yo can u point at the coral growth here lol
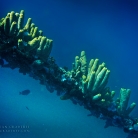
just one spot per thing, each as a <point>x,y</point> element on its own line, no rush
<point>25,47</point>
<point>122,103</point>
<point>92,79</point>
<point>28,37</point>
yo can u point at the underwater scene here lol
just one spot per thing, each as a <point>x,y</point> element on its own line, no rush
<point>69,69</point>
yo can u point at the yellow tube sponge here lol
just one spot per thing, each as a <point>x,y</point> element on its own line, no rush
<point>124,98</point>
<point>35,32</point>
<point>95,65</point>
<point>83,62</point>
<point>123,102</point>
<point>17,17</point>
<point>32,28</point>
<point>28,24</point>
<point>28,36</point>
<point>90,65</point>
<point>96,75</point>
<point>84,84</point>
<point>130,108</point>
<point>96,97</point>
<point>91,80</point>
<point>6,25</point>
<point>99,79</point>
<point>44,49</point>
<point>40,32</point>
<point>41,46</point>
<point>20,34</point>
<point>104,80</point>
<point>13,28</point>
<point>12,17</point>
<point>100,68</point>
<point>77,63</point>
<point>112,94</point>
<point>33,44</point>
<point>20,44</point>
<point>20,21</point>
<point>10,24</point>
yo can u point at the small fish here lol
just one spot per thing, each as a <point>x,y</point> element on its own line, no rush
<point>25,92</point>
<point>27,108</point>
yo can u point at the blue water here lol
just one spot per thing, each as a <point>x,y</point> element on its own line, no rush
<point>107,30</point>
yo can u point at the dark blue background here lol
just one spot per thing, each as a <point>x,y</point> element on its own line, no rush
<point>107,30</point>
